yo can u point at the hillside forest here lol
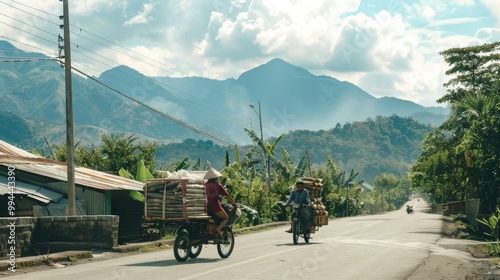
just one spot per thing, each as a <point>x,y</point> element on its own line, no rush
<point>365,167</point>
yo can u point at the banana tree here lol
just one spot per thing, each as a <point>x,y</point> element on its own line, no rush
<point>267,154</point>
<point>142,175</point>
<point>346,183</point>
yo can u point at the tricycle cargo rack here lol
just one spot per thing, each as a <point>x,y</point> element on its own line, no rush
<point>182,202</point>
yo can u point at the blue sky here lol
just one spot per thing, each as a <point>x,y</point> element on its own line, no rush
<point>388,48</point>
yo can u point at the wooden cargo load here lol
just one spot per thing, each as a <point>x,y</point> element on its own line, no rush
<point>175,199</point>
<point>315,187</point>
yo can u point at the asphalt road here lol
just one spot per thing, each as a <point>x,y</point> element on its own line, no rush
<point>385,246</point>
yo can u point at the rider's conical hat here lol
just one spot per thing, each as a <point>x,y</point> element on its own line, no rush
<point>212,173</point>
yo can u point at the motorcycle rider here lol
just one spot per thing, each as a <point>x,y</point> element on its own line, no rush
<point>213,189</point>
<point>301,196</point>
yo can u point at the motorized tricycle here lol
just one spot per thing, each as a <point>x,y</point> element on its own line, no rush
<point>193,234</point>
<point>182,203</point>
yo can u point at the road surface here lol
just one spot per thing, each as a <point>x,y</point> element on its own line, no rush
<point>385,246</point>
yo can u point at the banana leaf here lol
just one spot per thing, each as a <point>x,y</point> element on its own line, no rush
<point>143,173</point>
<point>124,173</point>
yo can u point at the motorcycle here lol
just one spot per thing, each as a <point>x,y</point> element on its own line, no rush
<point>300,227</point>
<point>409,209</point>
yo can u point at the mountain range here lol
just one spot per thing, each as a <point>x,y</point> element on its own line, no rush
<point>284,98</point>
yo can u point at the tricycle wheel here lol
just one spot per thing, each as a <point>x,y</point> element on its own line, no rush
<point>194,251</point>
<point>296,231</point>
<point>181,246</point>
<point>226,248</point>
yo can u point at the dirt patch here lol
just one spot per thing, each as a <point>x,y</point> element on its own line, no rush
<point>480,266</point>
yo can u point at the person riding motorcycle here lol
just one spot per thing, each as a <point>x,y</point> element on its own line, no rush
<point>301,196</point>
<point>213,189</point>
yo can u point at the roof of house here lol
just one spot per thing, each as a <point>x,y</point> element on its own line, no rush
<point>36,192</point>
<point>27,162</point>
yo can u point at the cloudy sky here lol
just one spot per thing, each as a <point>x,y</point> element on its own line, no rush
<point>388,48</point>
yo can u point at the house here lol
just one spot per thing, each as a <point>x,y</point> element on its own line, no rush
<point>40,189</point>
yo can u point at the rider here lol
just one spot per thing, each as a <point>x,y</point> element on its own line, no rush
<point>213,189</point>
<point>301,196</point>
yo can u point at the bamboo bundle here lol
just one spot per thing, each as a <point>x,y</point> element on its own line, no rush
<point>175,199</point>
<point>314,186</point>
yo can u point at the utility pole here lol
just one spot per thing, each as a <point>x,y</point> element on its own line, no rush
<point>267,158</point>
<point>69,114</point>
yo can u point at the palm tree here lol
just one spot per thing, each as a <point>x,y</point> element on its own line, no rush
<point>347,183</point>
<point>267,154</point>
<point>480,143</point>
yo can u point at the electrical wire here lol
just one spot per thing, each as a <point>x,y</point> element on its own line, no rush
<point>202,103</point>
<point>202,106</point>
<point>93,59</point>
<point>197,130</point>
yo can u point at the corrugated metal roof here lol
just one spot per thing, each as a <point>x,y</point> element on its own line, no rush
<point>12,156</point>
<point>7,149</point>
<point>41,194</point>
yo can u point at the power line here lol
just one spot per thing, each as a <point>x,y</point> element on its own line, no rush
<point>201,103</point>
<point>24,59</point>
<point>223,111</point>
<point>206,134</point>
<point>30,7</point>
<point>173,98</point>
<point>17,28</point>
<point>35,47</point>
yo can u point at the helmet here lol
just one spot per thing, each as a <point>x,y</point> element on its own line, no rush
<point>212,173</point>
<point>299,181</point>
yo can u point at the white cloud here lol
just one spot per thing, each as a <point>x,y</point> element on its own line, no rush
<point>453,21</point>
<point>494,9</point>
<point>486,35</point>
<point>427,13</point>
<point>371,44</point>
<point>143,17</point>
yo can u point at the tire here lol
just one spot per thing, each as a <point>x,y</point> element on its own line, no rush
<point>226,248</point>
<point>194,251</point>
<point>182,247</point>
<point>296,231</point>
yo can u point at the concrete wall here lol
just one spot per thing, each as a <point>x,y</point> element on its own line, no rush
<point>42,235</point>
<point>16,236</point>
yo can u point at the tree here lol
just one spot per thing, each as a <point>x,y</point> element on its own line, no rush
<point>348,184</point>
<point>480,144</point>
<point>119,152</point>
<point>474,69</point>
<point>387,183</point>
<point>460,159</point>
<point>268,154</point>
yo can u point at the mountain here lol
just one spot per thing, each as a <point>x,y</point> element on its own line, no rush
<point>291,98</point>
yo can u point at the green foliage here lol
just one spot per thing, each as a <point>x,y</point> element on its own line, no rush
<point>143,173</point>
<point>492,224</point>
<point>460,159</point>
<point>119,152</point>
<point>384,144</point>
<point>389,185</point>
<point>125,174</point>
<point>184,164</point>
